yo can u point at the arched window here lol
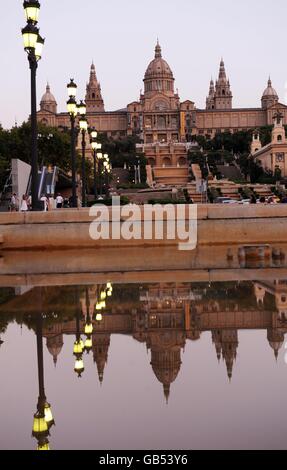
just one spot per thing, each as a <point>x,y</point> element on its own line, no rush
<point>279,138</point>
<point>93,96</point>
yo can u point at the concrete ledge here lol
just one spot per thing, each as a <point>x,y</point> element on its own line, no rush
<point>217,224</point>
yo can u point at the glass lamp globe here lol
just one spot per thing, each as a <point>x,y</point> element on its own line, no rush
<point>39,47</point>
<point>30,36</point>
<point>94,145</point>
<point>94,134</point>
<point>82,108</point>
<point>32,10</point>
<point>99,317</point>
<point>72,106</point>
<point>83,124</point>
<point>72,89</point>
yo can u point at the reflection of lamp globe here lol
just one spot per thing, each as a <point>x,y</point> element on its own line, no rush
<point>48,414</point>
<point>285,358</point>
<point>79,366</point>
<point>88,344</point>
<point>78,347</point>
<point>40,425</point>
<point>44,445</point>
<point>88,329</point>
<point>103,295</point>
<point>99,317</point>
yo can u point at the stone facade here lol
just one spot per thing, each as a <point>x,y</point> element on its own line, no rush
<point>160,120</point>
<point>274,155</point>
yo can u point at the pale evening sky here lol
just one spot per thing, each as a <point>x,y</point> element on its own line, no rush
<point>120,36</point>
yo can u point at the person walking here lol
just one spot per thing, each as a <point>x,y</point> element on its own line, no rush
<point>59,201</point>
<point>24,204</point>
<point>45,202</point>
<point>14,203</point>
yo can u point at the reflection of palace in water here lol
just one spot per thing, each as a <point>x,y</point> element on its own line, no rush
<point>169,315</point>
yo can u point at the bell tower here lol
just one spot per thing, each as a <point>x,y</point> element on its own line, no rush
<point>94,100</point>
<point>223,95</point>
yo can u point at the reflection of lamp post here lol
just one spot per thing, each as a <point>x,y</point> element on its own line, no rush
<point>33,45</point>
<point>72,110</point>
<point>88,326</point>
<point>43,418</point>
<point>78,347</point>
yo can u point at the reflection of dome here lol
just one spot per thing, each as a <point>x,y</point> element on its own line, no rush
<point>158,68</point>
<point>276,340</point>
<point>54,346</point>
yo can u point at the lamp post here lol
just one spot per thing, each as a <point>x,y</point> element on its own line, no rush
<point>100,160</point>
<point>33,45</point>
<point>72,110</point>
<point>83,128</point>
<point>95,147</point>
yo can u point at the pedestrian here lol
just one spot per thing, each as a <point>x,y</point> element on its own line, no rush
<point>253,199</point>
<point>52,202</point>
<point>284,199</point>
<point>45,202</point>
<point>24,204</point>
<point>262,200</point>
<point>59,201</point>
<point>14,203</point>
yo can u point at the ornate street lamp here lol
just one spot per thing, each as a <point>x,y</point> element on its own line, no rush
<point>95,146</point>
<point>72,110</point>
<point>83,128</point>
<point>33,45</point>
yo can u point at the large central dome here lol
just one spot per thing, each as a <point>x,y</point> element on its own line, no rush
<point>159,77</point>
<point>158,68</point>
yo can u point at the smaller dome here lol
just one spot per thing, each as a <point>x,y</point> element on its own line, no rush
<point>48,97</point>
<point>270,91</point>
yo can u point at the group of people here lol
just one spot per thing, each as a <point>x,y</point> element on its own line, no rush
<point>48,203</point>
<point>268,200</point>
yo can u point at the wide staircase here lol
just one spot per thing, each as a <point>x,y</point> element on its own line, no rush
<point>171,176</point>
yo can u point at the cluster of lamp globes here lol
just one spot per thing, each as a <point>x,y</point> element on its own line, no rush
<point>74,109</point>
<point>79,345</point>
<point>33,42</point>
<point>43,421</point>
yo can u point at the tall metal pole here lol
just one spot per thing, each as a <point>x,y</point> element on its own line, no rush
<point>101,181</point>
<point>95,174</point>
<point>83,169</point>
<point>34,133</point>
<point>73,157</point>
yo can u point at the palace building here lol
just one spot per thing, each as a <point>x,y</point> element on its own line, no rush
<point>162,122</point>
